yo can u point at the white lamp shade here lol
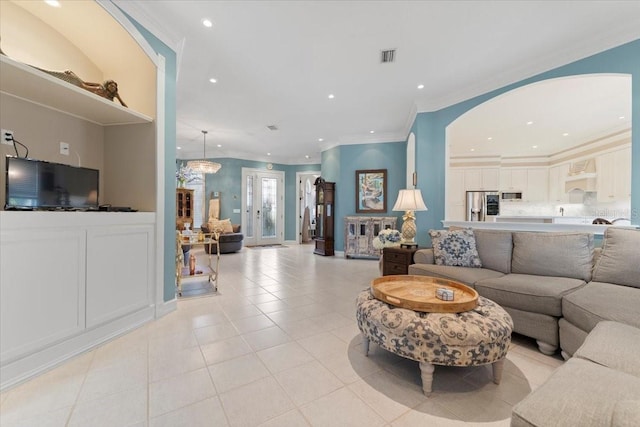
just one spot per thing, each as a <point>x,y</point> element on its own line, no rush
<point>410,200</point>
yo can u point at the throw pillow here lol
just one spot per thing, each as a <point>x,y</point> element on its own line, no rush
<point>456,248</point>
<point>222,225</point>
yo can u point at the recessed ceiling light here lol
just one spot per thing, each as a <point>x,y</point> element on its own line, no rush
<point>212,80</point>
<point>529,122</point>
<point>306,156</point>
<point>53,3</point>
<point>331,96</point>
<point>372,131</point>
<point>207,23</point>
<point>320,139</point>
<point>534,146</point>
<point>621,117</point>
<point>490,138</point>
<point>420,86</point>
<point>473,149</point>
<point>565,134</point>
<point>219,145</point>
<point>268,154</point>
<point>178,148</point>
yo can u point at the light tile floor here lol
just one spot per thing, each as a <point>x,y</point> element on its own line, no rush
<point>277,346</point>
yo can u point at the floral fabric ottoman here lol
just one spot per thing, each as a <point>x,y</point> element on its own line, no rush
<point>477,337</point>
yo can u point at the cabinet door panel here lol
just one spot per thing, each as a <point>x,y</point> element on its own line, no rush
<point>119,274</point>
<point>41,302</point>
<point>490,179</point>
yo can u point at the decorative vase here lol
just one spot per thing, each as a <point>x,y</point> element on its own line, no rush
<point>181,183</point>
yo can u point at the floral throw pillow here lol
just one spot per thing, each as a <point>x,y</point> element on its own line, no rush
<point>455,248</point>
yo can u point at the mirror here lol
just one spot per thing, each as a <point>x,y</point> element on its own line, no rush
<point>548,125</point>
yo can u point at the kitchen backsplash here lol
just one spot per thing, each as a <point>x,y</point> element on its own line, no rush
<point>588,207</point>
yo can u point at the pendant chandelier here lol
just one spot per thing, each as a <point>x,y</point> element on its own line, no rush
<point>204,165</point>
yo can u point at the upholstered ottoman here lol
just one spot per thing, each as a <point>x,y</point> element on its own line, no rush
<point>477,337</point>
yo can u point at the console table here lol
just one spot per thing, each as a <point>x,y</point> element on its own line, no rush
<point>209,271</point>
<point>359,232</point>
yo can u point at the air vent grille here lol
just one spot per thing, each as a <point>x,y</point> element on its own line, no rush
<point>388,55</point>
<point>272,127</point>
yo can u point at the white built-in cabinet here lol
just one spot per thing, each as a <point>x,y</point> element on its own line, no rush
<point>614,175</point>
<point>481,179</point>
<point>461,180</point>
<point>72,280</point>
<point>513,179</point>
<point>532,182</point>
<point>557,190</point>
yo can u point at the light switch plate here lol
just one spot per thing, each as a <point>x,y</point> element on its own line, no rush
<point>236,211</point>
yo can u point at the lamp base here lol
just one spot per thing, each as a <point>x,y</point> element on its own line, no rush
<point>409,230</point>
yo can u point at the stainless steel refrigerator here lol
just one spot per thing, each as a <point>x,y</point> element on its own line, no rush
<point>482,205</point>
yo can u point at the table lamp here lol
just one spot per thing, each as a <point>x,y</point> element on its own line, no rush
<point>409,200</point>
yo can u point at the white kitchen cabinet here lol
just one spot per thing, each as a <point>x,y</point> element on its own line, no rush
<point>513,179</point>
<point>490,179</point>
<point>537,185</point>
<point>482,179</point>
<point>461,180</point>
<point>614,175</point>
<point>455,195</point>
<point>533,182</point>
<point>557,176</point>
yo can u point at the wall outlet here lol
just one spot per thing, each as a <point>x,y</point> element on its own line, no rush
<point>64,148</point>
<point>6,137</point>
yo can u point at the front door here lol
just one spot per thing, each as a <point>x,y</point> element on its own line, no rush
<point>263,207</point>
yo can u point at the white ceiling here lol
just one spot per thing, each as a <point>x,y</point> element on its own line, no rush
<point>544,118</point>
<point>276,62</point>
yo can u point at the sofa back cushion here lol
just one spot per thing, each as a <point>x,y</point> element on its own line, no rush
<point>619,261</point>
<point>495,248</point>
<point>553,254</point>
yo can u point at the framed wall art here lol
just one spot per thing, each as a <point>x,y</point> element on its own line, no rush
<point>371,191</point>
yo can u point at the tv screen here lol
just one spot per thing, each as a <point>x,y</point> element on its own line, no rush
<point>36,184</point>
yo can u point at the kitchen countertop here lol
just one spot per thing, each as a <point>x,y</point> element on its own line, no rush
<point>546,219</point>
<point>596,229</point>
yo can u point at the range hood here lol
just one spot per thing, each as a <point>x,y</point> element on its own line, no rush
<point>582,177</point>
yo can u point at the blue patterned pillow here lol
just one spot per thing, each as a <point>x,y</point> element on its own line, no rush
<point>455,248</point>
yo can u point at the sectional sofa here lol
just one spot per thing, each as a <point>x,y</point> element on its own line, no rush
<point>555,286</point>
<point>563,292</point>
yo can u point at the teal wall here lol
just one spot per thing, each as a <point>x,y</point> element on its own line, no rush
<point>228,181</point>
<point>429,129</point>
<point>339,165</point>
<point>169,270</point>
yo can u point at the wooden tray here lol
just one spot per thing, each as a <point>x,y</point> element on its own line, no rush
<point>418,293</point>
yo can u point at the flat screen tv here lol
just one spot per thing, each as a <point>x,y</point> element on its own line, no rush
<point>36,184</point>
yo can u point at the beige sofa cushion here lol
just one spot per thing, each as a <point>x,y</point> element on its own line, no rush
<point>579,393</point>
<point>609,335</point>
<point>597,301</point>
<point>553,254</point>
<point>495,248</point>
<point>466,275</point>
<point>537,294</point>
<point>619,261</point>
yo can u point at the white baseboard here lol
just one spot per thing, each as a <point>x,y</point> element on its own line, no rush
<point>166,308</point>
<point>27,367</point>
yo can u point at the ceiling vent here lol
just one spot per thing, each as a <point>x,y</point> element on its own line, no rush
<point>272,127</point>
<point>388,55</point>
